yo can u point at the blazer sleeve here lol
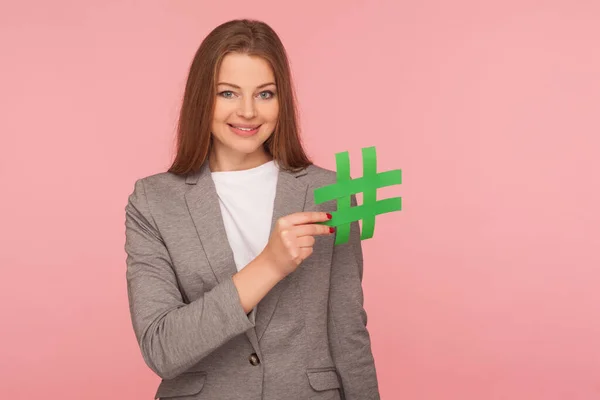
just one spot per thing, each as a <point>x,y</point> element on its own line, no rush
<point>349,339</point>
<point>172,335</point>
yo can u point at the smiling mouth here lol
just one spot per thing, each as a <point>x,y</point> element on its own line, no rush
<point>245,129</point>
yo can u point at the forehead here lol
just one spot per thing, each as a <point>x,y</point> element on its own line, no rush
<point>245,70</point>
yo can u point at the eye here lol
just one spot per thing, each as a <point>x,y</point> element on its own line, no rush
<point>267,94</point>
<point>228,94</point>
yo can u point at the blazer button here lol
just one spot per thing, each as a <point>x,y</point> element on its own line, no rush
<point>254,359</point>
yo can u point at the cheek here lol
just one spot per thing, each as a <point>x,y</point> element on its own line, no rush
<point>271,112</point>
<point>221,112</point>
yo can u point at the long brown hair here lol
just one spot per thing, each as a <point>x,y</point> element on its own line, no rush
<point>254,38</point>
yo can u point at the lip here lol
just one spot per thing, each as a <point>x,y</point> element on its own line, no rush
<point>244,133</point>
<point>245,125</point>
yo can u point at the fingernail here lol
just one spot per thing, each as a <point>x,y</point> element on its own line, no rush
<point>331,229</point>
<point>329,216</point>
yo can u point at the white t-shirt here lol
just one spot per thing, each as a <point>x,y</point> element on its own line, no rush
<point>246,199</point>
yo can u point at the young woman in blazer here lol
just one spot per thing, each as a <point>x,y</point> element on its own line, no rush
<point>235,289</point>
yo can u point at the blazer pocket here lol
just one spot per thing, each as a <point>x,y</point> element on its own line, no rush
<point>323,379</point>
<point>186,384</point>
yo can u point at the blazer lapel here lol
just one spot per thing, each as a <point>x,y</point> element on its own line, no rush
<point>203,204</point>
<point>290,197</point>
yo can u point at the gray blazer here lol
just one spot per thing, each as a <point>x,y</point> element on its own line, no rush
<point>307,339</point>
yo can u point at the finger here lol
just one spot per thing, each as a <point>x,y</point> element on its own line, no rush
<point>305,252</point>
<point>305,241</point>
<point>312,230</point>
<point>288,239</point>
<point>307,217</point>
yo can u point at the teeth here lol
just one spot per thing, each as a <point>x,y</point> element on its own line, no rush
<point>244,129</point>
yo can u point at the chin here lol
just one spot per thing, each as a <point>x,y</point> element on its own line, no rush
<point>247,148</point>
<point>245,145</point>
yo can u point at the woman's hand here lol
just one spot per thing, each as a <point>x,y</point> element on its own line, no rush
<point>292,240</point>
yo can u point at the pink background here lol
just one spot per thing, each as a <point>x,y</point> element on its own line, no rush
<point>485,286</point>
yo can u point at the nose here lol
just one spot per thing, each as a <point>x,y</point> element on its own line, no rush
<point>247,108</point>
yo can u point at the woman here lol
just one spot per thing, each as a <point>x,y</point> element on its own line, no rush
<point>236,289</point>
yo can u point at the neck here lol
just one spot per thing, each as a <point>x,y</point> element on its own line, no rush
<point>220,161</point>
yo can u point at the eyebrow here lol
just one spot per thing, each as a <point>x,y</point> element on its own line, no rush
<point>237,87</point>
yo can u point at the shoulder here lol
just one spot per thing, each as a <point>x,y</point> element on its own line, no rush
<point>163,179</point>
<point>159,185</point>
<point>317,176</point>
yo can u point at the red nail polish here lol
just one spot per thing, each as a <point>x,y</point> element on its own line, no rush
<point>331,229</point>
<point>329,216</point>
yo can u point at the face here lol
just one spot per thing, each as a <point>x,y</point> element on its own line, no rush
<point>246,110</point>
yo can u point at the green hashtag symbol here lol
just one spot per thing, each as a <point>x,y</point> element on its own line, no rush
<point>368,185</point>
